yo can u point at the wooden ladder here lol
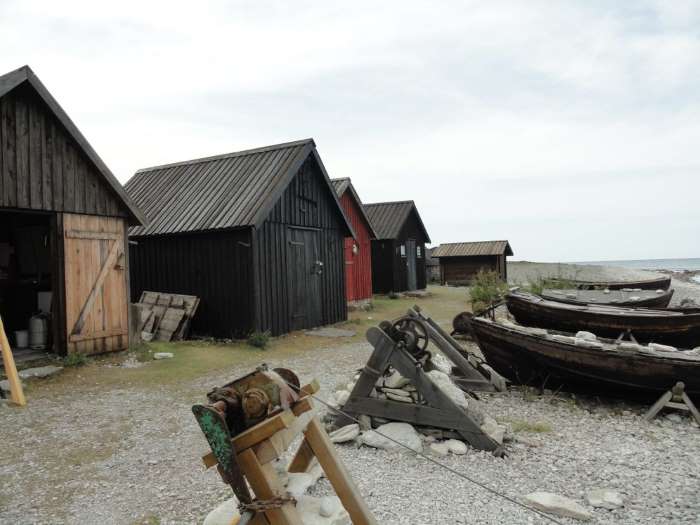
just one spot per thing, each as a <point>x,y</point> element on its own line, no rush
<point>16,392</point>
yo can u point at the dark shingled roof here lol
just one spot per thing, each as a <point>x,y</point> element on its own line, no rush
<point>221,192</point>
<point>388,218</point>
<point>468,249</point>
<point>344,184</point>
<point>14,79</point>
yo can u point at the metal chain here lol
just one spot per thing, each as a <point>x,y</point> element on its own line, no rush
<point>261,505</point>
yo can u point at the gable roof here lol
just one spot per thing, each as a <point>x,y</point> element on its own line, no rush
<point>344,184</point>
<point>18,77</point>
<point>388,218</point>
<point>221,192</point>
<point>468,249</point>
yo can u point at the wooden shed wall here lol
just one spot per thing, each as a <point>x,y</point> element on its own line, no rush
<point>358,267</point>
<point>306,203</point>
<point>217,267</point>
<point>461,270</point>
<point>41,166</point>
<point>411,230</point>
<point>383,261</point>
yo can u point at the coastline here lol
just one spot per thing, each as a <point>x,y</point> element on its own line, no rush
<point>520,272</point>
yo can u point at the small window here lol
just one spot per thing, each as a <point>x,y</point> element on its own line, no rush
<point>419,253</point>
<point>402,249</point>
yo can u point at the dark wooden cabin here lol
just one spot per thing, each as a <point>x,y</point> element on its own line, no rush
<point>358,251</point>
<point>461,261</point>
<point>257,235</point>
<point>398,252</point>
<point>63,221</point>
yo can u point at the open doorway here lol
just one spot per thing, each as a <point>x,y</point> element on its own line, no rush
<point>26,282</point>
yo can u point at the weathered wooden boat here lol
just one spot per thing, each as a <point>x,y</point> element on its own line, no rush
<point>602,367</point>
<point>636,298</point>
<point>677,327</point>
<point>657,283</point>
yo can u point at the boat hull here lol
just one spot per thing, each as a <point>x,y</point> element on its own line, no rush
<point>531,359</point>
<point>648,299</point>
<point>658,283</point>
<point>681,330</point>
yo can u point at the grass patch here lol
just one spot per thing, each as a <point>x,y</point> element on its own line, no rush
<point>75,359</point>
<point>526,426</point>
<point>259,339</point>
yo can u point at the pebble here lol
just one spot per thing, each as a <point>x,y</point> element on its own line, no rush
<point>163,355</point>
<point>346,433</point>
<point>456,447</point>
<point>439,449</point>
<point>557,504</point>
<point>605,499</point>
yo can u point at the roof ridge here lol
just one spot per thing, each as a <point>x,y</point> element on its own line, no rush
<point>232,154</point>
<point>389,202</point>
<point>472,242</point>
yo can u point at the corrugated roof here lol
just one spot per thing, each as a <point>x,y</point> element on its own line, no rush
<point>388,218</point>
<point>221,192</point>
<point>468,249</point>
<point>14,79</point>
<point>341,186</point>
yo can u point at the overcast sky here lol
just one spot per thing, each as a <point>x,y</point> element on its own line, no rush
<point>570,128</point>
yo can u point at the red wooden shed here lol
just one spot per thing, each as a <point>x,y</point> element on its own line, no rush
<point>358,252</point>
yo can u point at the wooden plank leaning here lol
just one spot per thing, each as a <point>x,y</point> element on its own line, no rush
<point>16,392</point>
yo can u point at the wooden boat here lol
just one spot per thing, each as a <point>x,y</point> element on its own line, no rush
<point>636,298</point>
<point>533,356</point>
<point>671,326</point>
<point>657,283</point>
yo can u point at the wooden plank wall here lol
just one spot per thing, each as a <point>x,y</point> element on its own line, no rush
<point>460,270</point>
<point>88,241</point>
<point>358,267</point>
<point>41,167</point>
<point>217,267</point>
<point>307,202</point>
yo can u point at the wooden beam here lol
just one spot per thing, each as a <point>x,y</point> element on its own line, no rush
<point>302,459</point>
<point>16,392</point>
<point>98,236</point>
<point>337,474</point>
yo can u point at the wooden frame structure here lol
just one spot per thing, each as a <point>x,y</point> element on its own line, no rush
<point>675,398</point>
<point>257,447</point>
<point>438,411</point>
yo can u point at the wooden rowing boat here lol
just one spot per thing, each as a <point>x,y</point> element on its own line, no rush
<point>534,356</point>
<point>671,326</point>
<point>636,298</point>
<point>657,283</point>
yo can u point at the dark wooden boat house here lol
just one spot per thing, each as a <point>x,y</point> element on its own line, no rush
<point>258,235</point>
<point>358,251</point>
<point>63,221</point>
<point>461,261</point>
<point>398,252</point>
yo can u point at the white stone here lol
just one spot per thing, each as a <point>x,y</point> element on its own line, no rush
<point>346,433</point>
<point>328,507</point>
<point>41,371</point>
<point>299,482</point>
<point>439,449</point>
<point>635,298</point>
<point>401,432</point>
<point>456,446</point>
<point>350,386</point>
<point>163,355</point>
<point>5,385</point>
<point>605,499</point>
<point>224,514</point>
<point>444,383</point>
<point>556,504</point>
<point>562,338</point>
<point>587,343</point>
<point>492,429</point>
<point>397,392</point>
<point>589,336</point>
<point>628,345</point>
<point>441,363</point>
<point>402,399</point>
<point>341,397</point>
<point>395,380</point>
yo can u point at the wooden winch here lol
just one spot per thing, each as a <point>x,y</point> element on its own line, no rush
<point>251,422</point>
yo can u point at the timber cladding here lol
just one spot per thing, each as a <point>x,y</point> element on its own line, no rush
<point>96,300</point>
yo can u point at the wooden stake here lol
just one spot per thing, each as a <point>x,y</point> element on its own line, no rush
<point>16,392</point>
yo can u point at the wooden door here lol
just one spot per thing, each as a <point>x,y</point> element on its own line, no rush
<point>411,264</point>
<point>304,272</point>
<point>350,293</point>
<point>95,284</point>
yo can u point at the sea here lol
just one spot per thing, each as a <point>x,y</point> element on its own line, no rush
<point>674,265</point>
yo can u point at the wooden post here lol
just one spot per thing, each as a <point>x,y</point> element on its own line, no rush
<point>336,473</point>
<point>16,392</point>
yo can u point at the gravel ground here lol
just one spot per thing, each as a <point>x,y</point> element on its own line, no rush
<point>131,455</point>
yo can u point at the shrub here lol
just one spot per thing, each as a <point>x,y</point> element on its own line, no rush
<point>75,359</point>
<point>487,289</point>
<point>259,339</point>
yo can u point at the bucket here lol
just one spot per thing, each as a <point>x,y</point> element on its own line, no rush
<point>38,330</point>
<point>22,338</point>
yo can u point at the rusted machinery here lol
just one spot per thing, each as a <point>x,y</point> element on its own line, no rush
<point>252,421</point>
